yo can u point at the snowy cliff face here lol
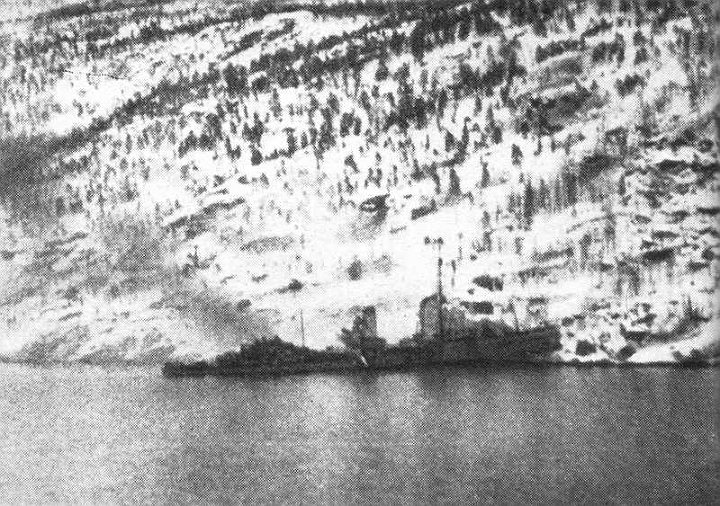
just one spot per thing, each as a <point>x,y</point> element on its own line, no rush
<point>178,178</point>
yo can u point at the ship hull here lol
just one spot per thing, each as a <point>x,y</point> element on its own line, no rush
<point>490,345</point>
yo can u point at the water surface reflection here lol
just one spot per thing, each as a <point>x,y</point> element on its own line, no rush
<point>507,434</point>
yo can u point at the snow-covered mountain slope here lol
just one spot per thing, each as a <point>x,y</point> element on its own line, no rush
<point>180,177</point>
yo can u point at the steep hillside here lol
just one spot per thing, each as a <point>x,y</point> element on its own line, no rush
<point>179,177</point>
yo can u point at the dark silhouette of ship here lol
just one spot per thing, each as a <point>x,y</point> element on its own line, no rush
<point>466,333</point>
<point>442,340</point>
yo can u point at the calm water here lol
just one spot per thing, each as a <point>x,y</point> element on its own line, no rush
<point>504,435</point>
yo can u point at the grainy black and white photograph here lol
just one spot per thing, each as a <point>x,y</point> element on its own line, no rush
<point>359,252</point>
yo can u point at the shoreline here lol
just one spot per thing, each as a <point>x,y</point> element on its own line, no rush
<point>211,370</point>
<point>230,373</point>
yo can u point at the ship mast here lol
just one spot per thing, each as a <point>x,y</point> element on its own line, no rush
<point>439,243</point>
<point>441,326</point>
<point>302,328</point>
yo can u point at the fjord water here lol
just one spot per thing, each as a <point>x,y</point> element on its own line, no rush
<point>502,435</point>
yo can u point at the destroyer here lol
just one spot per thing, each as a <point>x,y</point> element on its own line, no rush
<point>444,338</point>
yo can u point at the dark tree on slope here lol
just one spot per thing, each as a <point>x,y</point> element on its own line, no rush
<point>396,42</point>
<point>543,196</point>
<point>490,118</point>
<point>485,180</point>
<point>442,102</point>
<point>516,155</point>
<point>464,27</point>
<point>454,183</point>
<point>558,195</point>
<point>256,156</point>
<point>571,188</point>
<point>420,114</point>
<point>528,204</point>
<point>382,72</point>
<point>539,27</point>
<point>449,141</point>
<point>417,40</point>
<point>291,141</point>
<point>604,6</point>
<point>465,139</point>
<point>569,20</point>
